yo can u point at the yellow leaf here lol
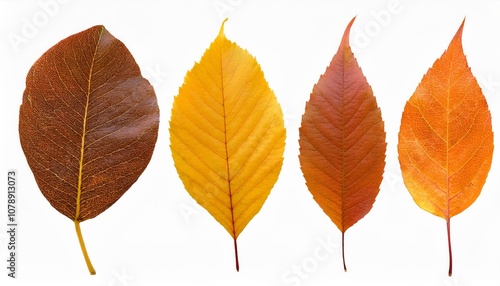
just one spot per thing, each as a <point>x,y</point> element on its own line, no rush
<point>227,135</point>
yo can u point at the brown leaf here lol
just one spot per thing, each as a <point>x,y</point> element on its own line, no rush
<point>88,123</point>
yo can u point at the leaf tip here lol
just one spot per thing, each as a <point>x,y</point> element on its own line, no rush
<point>462,25</point>
<point>352,21</point>
<point>221,31</point>
<point>458,35</point>
<point>99,27</point>
<point>347,32</point>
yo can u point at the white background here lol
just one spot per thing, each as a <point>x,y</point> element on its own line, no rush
<point>156,235</point>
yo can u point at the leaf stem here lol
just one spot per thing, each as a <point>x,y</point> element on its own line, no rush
<point>236,255</point>
<point>343,256</point>
<point>449,246</point>
<point>84,249</point>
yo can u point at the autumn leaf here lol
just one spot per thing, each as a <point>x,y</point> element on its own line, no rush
<point>342,141</point>
<point>446,139</point>
<point>227,135</point>
<point>88,124</point>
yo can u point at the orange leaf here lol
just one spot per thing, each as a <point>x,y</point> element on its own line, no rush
<point>446,139</point>
<point>88,124</point>
<point>342,141</point>
<point>227,135</point>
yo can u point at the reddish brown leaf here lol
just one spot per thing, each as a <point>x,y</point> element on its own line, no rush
<point>88,124</point>
<point>342,141</point>
<point>446,139</point>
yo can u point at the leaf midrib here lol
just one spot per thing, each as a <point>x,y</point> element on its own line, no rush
<point>231,207</point>
<point>84,132</point>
